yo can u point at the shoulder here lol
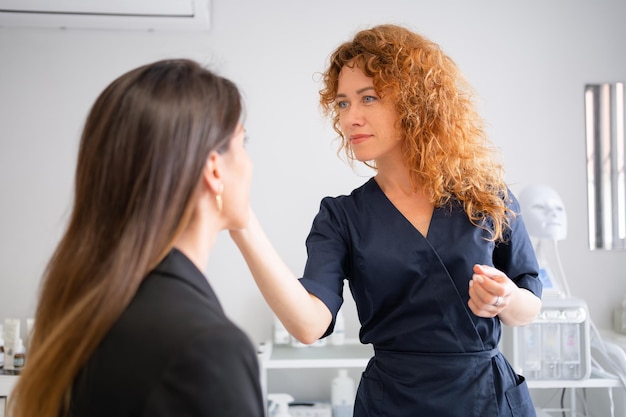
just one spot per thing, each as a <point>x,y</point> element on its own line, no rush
<point>216,372</point>
<point>226,341</point>
<point>357,197</point>
<point>166,311</point>
<point>512,202</point>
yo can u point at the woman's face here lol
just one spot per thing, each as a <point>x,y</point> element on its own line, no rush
<point>368,122</point>
<point>237,180</point>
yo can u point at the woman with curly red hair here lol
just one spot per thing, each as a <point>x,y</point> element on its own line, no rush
<point>432,246</point>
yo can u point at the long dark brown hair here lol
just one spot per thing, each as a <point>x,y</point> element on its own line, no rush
<point>142,152</point>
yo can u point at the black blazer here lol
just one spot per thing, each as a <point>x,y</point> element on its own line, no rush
<point>173,352</point>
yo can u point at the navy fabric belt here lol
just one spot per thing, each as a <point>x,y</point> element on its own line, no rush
<point>381,353</point>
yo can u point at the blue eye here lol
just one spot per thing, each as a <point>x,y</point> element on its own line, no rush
<point>342,104</point>
<point>369,99</point>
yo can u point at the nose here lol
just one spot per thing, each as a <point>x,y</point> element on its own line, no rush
<point>352,116</point>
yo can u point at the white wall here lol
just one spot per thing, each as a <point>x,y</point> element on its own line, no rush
<point>529,61</point>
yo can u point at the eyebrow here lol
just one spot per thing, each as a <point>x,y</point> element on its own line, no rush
<point>359,91</point>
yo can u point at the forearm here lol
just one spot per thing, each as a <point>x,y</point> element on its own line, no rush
<point>303,315</point>
<point>522,309</point>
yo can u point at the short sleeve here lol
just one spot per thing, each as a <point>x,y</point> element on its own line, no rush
<point>516,256</point>
<point>327,257</point>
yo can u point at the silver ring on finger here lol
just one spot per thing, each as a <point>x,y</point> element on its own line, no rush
<point>498,301</point>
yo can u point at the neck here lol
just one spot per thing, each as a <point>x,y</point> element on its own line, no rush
<point>395,180</point>
<point>198,239</point>
<point>391,171</point>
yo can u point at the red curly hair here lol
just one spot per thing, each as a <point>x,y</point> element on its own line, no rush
<point>444,143</point>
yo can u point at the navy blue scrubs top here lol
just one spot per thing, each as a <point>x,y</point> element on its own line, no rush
<point>411,294</point>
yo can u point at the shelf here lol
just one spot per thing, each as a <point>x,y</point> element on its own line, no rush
<point>580,383</point>
<point>573,385</point>
<point>350,355</point>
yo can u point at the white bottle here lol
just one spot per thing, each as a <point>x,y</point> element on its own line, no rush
<point>11,336</point>
<point>342,395</point>
<point>20,354</point>
<point>338,337</point>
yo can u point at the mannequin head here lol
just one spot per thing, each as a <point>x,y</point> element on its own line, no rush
<point>543,212</point>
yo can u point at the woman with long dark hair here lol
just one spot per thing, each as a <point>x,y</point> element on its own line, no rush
<point>126,323</point>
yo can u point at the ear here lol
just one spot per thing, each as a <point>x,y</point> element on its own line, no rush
<point>213,173</point>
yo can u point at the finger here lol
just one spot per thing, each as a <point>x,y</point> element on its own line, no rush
<point>479,293</point>
<point>482,310</point>
<point>498,301</point>
<point>486,297</point>
<point>493,286</point>
<point>485,287</point>
<point>490,272</point>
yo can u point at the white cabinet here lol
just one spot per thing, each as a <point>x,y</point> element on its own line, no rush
<point>350,355</point>
<point>573,386</point>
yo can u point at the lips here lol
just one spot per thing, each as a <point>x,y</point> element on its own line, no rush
<point>356,139</point>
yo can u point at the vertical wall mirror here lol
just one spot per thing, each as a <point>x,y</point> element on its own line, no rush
<point>606,186</point>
